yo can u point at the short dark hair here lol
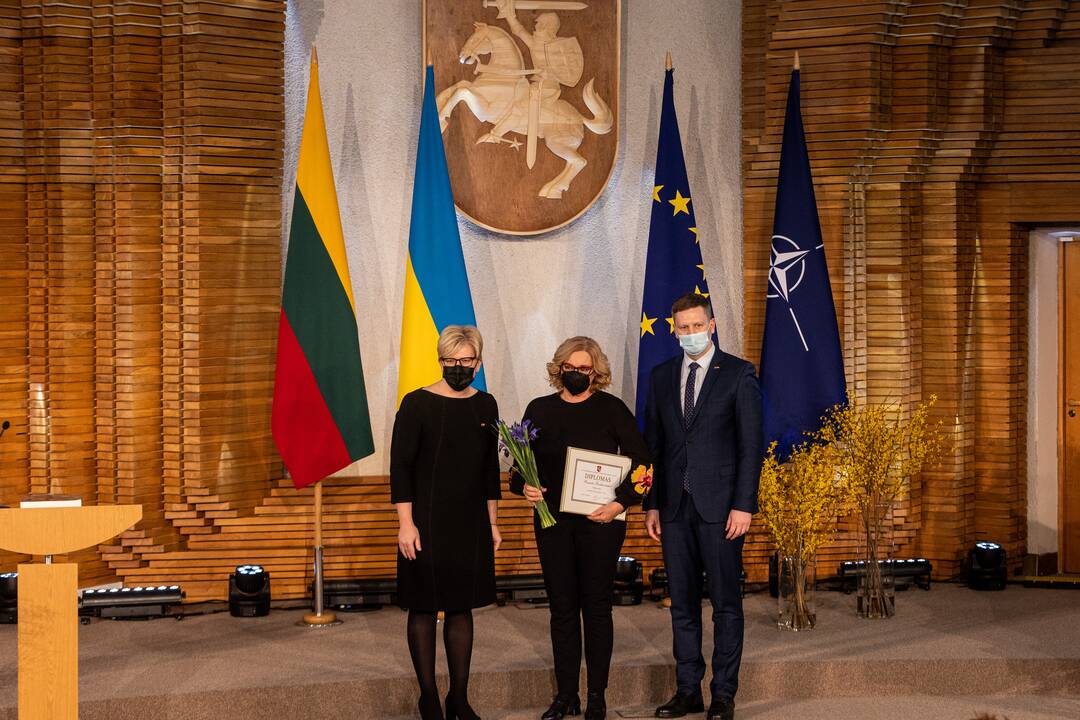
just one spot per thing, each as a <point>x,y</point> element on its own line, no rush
<point>689,301</point>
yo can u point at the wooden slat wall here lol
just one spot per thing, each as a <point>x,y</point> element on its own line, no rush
<point>140,201</point>
<point>140,172</point>
<point>939,133</point>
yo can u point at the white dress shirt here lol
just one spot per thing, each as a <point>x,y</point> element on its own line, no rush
<point>703,367</point>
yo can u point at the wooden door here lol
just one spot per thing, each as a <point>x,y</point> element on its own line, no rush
<point>1070,406</point>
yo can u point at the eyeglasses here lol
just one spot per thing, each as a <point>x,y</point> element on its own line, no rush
<point>583,369</point>
<point>458,362</point>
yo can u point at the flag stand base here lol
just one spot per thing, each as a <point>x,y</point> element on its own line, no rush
<point>314,620</point>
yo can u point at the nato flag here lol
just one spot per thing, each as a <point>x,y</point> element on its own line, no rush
<point>673,264</point>
<point>802,369</point>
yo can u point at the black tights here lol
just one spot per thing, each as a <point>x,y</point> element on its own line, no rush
<point>458,638</point>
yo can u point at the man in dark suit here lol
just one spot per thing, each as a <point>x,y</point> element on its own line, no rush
<point>703,428</point>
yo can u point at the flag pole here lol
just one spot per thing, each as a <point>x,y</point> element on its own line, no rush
<point>667,61</point>
<point>796,63</point>
<point>319,618</point>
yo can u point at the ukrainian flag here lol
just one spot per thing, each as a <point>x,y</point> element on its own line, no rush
<point>436,284</point>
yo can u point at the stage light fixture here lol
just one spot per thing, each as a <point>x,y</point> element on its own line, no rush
<point>249,591</point>
<point>9,598</point>
<point>358,595</point>
<point>658,584</point>
<point>987,566</point>
<point>905,571</point>
<point>629,582</point>
<point>705,584</point>
<point>521,588</point>
<point>130,603</point>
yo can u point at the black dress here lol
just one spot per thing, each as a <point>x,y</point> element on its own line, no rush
<point>444,460</point>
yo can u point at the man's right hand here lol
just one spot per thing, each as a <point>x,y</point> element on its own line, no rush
<point>532,494</point>
<point>652,524</point>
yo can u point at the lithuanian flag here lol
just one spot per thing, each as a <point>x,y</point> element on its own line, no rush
<point>320,415</point>
<point>436,284</point>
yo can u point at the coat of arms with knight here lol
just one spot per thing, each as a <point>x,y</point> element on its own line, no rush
<point>527,98</point>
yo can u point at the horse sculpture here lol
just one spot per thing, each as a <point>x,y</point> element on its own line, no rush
<point>501,96</point>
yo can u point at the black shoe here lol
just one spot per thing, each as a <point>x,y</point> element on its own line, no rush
<point>721,709</point>
<point>563,707</point>
<point>429,708</point>
<point>454,711</point>
<point>597,707</point>
<point>680,706</point>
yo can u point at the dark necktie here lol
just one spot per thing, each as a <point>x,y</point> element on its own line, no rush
<point>688,414</point>
<point>688,396</point>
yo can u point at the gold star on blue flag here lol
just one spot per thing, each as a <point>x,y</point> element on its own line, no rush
<point>673,265</point>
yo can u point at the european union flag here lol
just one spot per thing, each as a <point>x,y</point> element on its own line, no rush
<point>673,265</point>
<point>802,369</point>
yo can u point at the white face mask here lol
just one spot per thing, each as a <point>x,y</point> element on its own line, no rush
<point>694,343</point>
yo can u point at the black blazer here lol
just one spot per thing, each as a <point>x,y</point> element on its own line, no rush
<point>723,448</point>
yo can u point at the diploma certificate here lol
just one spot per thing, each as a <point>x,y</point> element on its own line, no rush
<point>590,480</point>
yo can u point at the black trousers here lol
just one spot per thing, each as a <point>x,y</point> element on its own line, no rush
<point>578,557</point>
<point>690,546</point>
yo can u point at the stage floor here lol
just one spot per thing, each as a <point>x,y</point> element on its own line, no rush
<point>949,652</point>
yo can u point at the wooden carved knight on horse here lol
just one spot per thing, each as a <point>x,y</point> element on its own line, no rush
<point>527,101</point>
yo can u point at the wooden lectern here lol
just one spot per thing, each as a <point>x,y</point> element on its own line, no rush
<point>48,598</point>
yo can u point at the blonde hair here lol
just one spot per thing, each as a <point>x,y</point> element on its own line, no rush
<point>601,376</point>
<point>454,336</point>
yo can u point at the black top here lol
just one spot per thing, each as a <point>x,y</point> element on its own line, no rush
<point>444,460</point>
<point>602,423</point>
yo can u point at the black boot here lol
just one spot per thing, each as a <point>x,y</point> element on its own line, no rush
<point>429,707</point>
<point>462,711</point>
<point>597,707</point>
<point>563,707</point>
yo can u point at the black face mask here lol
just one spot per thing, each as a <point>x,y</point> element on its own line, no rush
<point>458,377</point>
<point>575,382</point>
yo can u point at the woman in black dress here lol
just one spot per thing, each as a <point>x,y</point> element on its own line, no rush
<point>579,553</point>
<point>444,482</point>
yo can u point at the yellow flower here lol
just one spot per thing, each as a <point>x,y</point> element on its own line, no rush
<point>799,499</point>
<point>642,479</point>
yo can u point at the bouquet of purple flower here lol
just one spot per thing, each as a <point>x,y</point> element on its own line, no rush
<point>516,438</point>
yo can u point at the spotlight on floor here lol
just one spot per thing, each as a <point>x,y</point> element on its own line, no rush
<point>774,575</point>
<point>904,572</point>
<point>658,584</point>
<point>987,566</point>
<point>249,591</point>
<point>130,603</point>
<point>9,598</point>
<point>629,582</point>
<point>358,595</point>
<point>521,588</point>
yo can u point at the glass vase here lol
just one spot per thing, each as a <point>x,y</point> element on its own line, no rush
<point>876,594</point>
<point>795,610</point>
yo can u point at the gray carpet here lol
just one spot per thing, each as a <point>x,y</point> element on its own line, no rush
<point>948,649</point>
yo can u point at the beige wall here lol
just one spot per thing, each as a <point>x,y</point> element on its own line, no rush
<point>529,293</point>
<point>1043,412</point>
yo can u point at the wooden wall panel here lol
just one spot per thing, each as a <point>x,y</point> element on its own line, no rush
<point>140,179</point>
<point>14,268</point>
<point>946,131</point>
<point>140,198</point>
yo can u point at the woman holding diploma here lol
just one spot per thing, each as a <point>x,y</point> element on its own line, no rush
<point>579,553</point>
<point>444,483</point>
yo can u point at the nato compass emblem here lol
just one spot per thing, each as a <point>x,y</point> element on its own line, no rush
<point>786,272</point>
